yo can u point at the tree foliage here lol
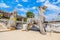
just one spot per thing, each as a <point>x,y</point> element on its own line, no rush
<point>29,14</point>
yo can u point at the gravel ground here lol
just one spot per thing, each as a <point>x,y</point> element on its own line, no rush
<point>30,35</point>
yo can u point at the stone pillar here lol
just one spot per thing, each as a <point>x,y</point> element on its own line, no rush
<point>22,22</point>
<point>29,23</point>
<point>12,21</point>
<point>41,18</point>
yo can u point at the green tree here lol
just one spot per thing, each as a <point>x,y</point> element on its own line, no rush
<point>29,14</point>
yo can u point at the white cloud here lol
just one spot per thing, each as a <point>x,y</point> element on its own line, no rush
<point>35,13</point>
<point>40,0</point>
<point>4,5</point>
<point>33,7</point>
<point>17,1</point>
<point>51,6</point>
<point>51,16</point>
<point>25,0</point>
<point>26,9</point>
<point>58,1</point>
<point>20,5</point>
<point>23,9</point>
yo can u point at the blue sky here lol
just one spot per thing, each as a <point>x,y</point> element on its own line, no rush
<point>22,6</point>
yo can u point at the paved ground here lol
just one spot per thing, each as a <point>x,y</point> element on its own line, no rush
<point>30,35</point>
